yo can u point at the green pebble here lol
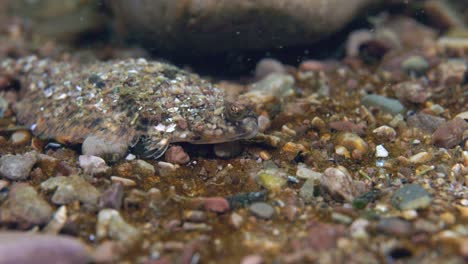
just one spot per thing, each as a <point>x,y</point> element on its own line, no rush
<point>270,181</point>
<point>385,104</point>
<point>411,196</point>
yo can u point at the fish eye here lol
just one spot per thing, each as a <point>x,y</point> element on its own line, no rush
<point>235,112</point>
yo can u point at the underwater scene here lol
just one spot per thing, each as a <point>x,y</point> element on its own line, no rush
<point>241,131</point>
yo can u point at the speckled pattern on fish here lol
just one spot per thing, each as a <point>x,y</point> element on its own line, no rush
<point>125,102</point>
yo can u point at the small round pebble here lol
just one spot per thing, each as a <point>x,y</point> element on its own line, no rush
<point>20,138</point>
<point>262,210</point>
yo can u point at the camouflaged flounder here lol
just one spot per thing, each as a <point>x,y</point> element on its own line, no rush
<point>124,102</point>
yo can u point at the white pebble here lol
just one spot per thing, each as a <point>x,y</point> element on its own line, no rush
<point>381,152</point>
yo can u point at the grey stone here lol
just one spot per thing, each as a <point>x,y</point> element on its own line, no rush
<point>450,134</point>
<point>340,185</point>
<point>25,207</point>
<point>111,225</point>
<point>383,103</point>
<point>262,210</point>
<point>394,226</point>
<point>411,196</point>
<point>17,167</point>
<point>425,122</point>
<point>307,190</point>
<point>194,26</point>
<point>112,198</point>
<point>93,165</point>
<point>70,189</point>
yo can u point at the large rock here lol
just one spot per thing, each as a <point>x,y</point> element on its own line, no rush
<point>19,247</point>
<point>208,26</point>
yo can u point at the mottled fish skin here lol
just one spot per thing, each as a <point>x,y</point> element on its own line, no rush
<point>121,101</point>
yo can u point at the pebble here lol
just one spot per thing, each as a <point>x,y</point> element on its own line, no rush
<point>264,123</point>
<point>123,181</point>
<point>108,252</point>
<point>236,220</point>
<point>358,228</point>
<point>448,218</point>
<point>58,221</point>
<point>450,134</point>
<point>452,72</point>
<point>288,131</point>
<point>352,142</point>
<point>96,146</point>
<point>381,152</point>
<point>425,122</point>
<point>411,196</point>
<point>227,150</point>
<point>415,65</point>
<point>453,44</point>
<point>17,167</point>
<point>421,157</point>
<point>322,237</point>
<point>268,66</point>
<point>194,216</point>
<point>339,184</point>
<point>412,92</point>
<point>292,147</point>
<point>348,126</point>
<point>3,106</point>
<point>463,115</point>
<point>385,132</point>
<point>143,168</point>
<point>305,173</point>
<point>262,210</point>
<point>93,165</point>
<point>307,191</point>
<point>27,247</point>
<point>111,225</point>
<point>20,138</point>
<point>341,218</point>
<point>25,207</point>
<point>383,103</point>
<point>202,227</point>
<point>70,189</point>
<point>394,226</point>
<point>112,197</point>
<point>264,155</point>
<point>176,155</point>
<point>213,204</point>
<point>252,259</point>
<point>271,179</point>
